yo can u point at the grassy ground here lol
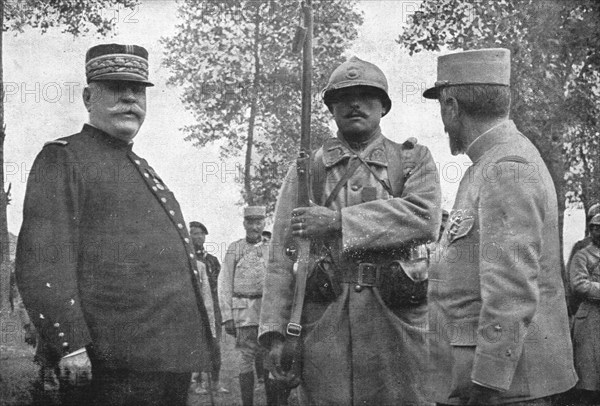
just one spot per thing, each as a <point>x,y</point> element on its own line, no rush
<point>17,370</point>
<point>18,373</point>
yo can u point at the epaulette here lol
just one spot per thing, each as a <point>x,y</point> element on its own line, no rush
<point>57,142</point>
<point>513,158</point>
<point>410,143</point>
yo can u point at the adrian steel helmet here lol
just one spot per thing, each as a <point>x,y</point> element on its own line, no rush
<point>356,72</point>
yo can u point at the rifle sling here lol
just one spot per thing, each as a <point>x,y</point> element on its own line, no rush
<point>352,167</point>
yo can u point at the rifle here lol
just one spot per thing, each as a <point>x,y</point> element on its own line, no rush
<point>291,356</point>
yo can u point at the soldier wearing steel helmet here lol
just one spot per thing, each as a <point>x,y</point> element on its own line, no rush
<point>376,204</point>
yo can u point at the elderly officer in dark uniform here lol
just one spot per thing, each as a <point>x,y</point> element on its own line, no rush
<point>104,260</point>
<point>498,317</point>
<point>377,203</point>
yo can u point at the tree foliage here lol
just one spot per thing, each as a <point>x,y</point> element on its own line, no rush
<point>74,16</point>
<point>241,80</point>
<point>554,76</point>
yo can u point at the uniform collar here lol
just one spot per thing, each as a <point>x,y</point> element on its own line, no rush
<point>489,139</point>
<point>256,244</point>
<point>106,138</point>
<point>335,150</point>
<point>593,249</point>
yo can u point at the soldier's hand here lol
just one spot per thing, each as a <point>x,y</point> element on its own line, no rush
<point>273,364</point>
<point>315,221</point>
<point>30,336</point>
<point>75,369</point>
<point>230,328</point>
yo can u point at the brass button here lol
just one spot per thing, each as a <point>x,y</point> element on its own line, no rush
<point>355,187</point>
<point>358,288</point>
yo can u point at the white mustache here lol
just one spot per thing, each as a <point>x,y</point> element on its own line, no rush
<point>133,109</point>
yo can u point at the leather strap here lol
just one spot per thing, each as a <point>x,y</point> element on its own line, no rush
<point>353,165</point>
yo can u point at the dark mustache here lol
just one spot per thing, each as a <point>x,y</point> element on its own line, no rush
<point>356,113</point>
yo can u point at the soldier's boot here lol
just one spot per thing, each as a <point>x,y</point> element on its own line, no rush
<point>247,388</point>
<point>260,369</point>
<point>276,392</point>
<point>270,393</point>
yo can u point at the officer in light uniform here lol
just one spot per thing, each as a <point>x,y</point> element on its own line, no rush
<point>240,288</point>
<point>498,318</point>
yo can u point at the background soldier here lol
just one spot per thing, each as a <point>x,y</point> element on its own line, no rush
<point>498,279</point>
<point>198,233</point>
<point>378,201</point>
<point>240,295</point>
<point>592,211</point>
<point>104,260</point>
<point>573,299</point>
<point>585,282</point>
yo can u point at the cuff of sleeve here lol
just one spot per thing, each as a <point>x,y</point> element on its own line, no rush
<point>266,338</point>
<point>594,292</point>
<point>492,372</point>
<point>72,354</point>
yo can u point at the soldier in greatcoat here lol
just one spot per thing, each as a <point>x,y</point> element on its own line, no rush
<point>377,203</point>
<point>211,266</point>
<point>104,262</point>
<point>498,318</point>
<point>585,283</point>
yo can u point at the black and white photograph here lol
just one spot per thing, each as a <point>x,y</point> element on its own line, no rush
<point>300,202</point>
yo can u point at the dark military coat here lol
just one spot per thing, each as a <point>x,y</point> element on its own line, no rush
<point>213,268</point>
<point>585,282</point>
<point>498,314</point>
<point>104,258</point>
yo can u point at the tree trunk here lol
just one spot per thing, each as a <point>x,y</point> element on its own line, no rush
<point>5,268</point>
<point>253,110</point>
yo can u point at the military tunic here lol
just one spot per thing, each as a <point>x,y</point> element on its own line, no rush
<point>243,307</point>
<point>585,282</point>
<point>357,350</point>
<point>104,258</point>
<point>498,315</point>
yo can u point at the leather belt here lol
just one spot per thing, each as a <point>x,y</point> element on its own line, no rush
<point>240,296</point>
<point>364,274</point>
